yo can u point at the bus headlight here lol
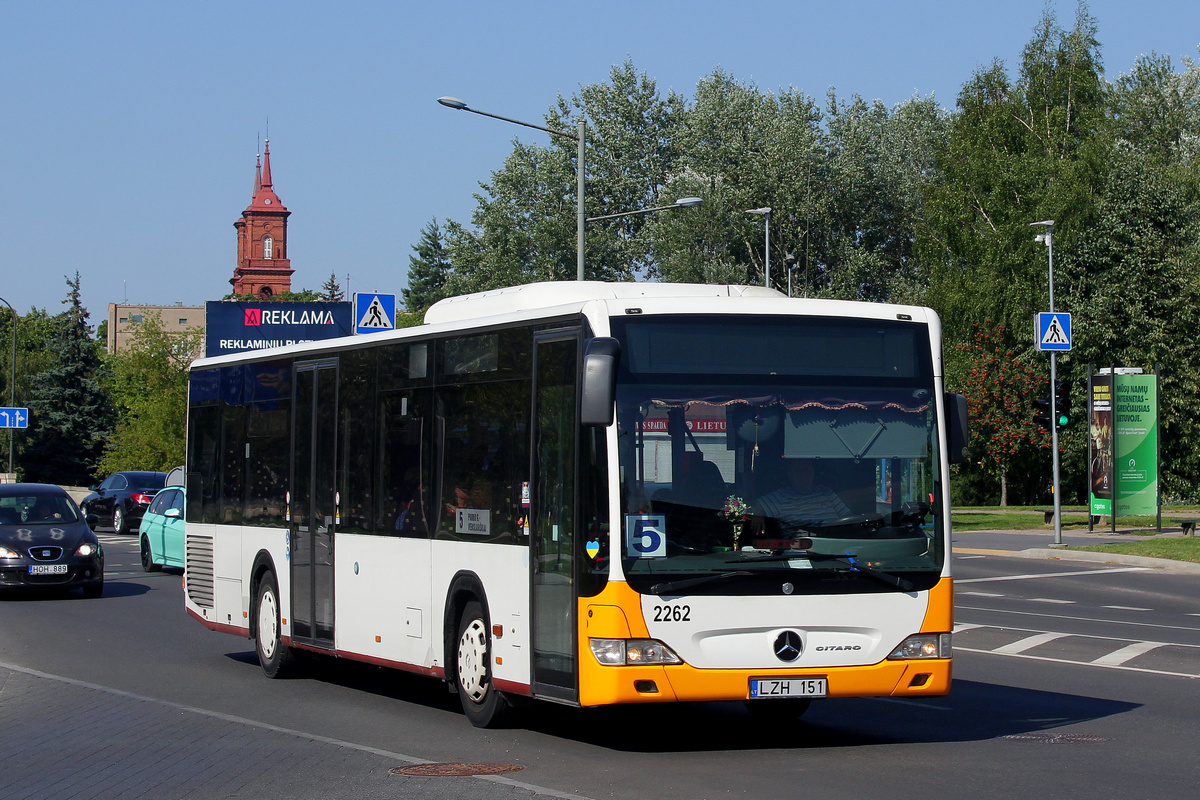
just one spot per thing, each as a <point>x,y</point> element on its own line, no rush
<point>924,645</point>
<point>625,652</point>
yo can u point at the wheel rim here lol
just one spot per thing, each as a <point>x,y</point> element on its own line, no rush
<point>472,661</point>
<point>117,519</point>
<point>268,628</point>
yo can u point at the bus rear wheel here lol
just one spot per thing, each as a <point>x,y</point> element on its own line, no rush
<point>276,658</point>
<point>484,705</point>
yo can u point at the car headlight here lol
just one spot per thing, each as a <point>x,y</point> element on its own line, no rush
<point>86,549</point>
<point>628,652</point>
<point>6,553</point>
<point>924,645</point>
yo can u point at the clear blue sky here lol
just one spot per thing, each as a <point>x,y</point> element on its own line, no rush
<point>130,128</point>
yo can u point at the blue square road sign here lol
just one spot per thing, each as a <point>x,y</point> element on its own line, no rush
<point>1053,330</point>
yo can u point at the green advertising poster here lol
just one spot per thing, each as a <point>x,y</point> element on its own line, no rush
<point>1135,446</point>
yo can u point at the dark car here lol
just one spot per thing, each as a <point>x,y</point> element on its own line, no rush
<point>122,498</point>
<point>46,542</point>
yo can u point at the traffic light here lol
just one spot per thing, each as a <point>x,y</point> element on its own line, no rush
<point>1041,412</point>
<point>1062,403</point>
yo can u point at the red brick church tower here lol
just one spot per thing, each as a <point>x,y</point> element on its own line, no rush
<point>263,267</point>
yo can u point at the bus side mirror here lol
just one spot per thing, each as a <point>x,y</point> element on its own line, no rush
<point>958,427</point>
<point>598,399</point>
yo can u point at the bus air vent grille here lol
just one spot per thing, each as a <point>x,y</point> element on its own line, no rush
<point>200,570</point>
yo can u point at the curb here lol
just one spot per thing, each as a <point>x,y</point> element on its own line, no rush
<point>1067,554</point>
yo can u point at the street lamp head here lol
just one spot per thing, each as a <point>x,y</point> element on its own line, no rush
<point>453,102</point>
<point>686,202</point>
<point>1049,223</point>
<point>763,210</point>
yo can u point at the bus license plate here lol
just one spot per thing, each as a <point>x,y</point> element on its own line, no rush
<point>47,569</point>
<point>766,688</point>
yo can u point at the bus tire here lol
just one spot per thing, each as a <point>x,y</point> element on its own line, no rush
<point>484,705</point>
<point>276,658</point>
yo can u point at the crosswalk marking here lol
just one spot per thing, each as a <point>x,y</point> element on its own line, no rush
<point>1127,652</point>
<point>1028,643</point>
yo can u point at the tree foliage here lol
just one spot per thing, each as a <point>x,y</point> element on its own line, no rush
<point>428,270</point>
<point>149,387</point>
<point>70,412</point>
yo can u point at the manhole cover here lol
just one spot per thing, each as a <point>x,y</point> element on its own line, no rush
<point>455,770</point>
<point>1057,738</point>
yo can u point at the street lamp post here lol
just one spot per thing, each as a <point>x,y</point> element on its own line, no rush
<point>683,202</point>
<point>12,380</point>
<point>1047,238</point>
<point>455,103</point>
<point>765,211</point>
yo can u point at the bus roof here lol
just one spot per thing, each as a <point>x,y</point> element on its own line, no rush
<point>532,296</point>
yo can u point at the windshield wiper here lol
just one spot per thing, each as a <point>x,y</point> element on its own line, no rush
<point>671,587</point>
<point>903,584</point>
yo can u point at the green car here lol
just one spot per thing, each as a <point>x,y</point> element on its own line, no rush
<point>162,527</point>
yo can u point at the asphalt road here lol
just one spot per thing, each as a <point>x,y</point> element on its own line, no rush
<point>1071,680</point>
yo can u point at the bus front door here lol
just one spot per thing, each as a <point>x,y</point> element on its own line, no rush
<point>552,516</point>
<point>313,500</point>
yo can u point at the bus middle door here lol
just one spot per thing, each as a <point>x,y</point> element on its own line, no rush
<point>313,502</point>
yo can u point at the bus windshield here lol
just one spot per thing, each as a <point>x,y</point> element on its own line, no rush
<point>793,448</point>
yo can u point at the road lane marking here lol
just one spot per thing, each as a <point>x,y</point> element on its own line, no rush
<point>1080,619</point>
<point>981,594</point>
<point>1028,643</point>
<point>1118,657</point>
<point>1127,608</point>
<point>980,551</point>
<point>1051,600</point>
<point>204,712</point>
<point>1078,663</point>
<point>1051,575</point>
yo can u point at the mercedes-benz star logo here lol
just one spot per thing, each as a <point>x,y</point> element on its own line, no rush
<point>788,646</point>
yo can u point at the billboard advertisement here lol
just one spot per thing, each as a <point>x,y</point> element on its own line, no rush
<point>1123,444</point>
<point>234,327</point>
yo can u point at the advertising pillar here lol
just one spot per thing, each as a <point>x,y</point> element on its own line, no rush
<point>1123,444</point>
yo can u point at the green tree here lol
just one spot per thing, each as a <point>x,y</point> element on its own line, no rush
<point>524,225</point>
<point>70,412</point>
<point>149,387</point>
<point>998,388</point>
<point>428,270</point>
<point>332,290</point>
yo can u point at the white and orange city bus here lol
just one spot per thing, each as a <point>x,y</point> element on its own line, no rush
<point>590,493</point>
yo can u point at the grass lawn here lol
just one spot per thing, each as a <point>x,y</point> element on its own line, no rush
<point>1023,520</point>
<point>1180,549</point>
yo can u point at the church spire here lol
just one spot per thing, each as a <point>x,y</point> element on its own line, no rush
<point>257,174</point>
<point>266,170</point>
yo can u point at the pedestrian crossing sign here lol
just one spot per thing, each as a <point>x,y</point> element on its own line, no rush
<point>1053,331</point>
<point>374,312</point>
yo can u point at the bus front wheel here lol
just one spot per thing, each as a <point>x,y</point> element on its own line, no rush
<point>484,705</point>
<point>276,658</point>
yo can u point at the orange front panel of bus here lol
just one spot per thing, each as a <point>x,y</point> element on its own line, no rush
<point>616,614</point>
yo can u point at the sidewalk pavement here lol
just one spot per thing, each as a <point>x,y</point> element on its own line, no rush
<point>1040,544</point>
